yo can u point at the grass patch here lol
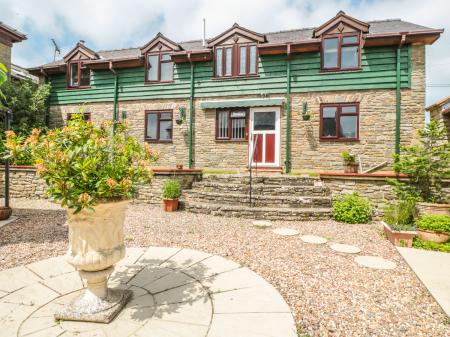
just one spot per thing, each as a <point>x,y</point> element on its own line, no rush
<point>219,171</point>
<point>304,173</point>
<point>428,245</point>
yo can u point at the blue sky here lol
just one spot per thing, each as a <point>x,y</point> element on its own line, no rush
<point>113,24</point>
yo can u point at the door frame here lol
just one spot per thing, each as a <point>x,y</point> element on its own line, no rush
<point>277,161</point>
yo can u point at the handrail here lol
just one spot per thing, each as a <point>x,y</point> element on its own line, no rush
<point>255,144</point>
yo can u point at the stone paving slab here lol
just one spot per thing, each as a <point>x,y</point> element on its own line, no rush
<point>375,262</point>
<point>174,293</point>
<point>433,269</point>
<point>7,221</point>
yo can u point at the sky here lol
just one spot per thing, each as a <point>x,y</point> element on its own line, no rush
<point>115,24</point>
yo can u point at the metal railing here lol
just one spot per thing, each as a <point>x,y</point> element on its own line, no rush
<point>254,151</point>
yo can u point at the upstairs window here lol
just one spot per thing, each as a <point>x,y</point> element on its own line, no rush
<point>236,60</point>
<point>339,121</point>
<point>341,52</point>
<point>158,126</point>
<point>79,75</point>
<point>231,124</point>
<point>159,68</point>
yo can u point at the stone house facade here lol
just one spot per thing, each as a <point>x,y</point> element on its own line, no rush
<point>440,112</point>
<point>8,36</point>
<point>296,99</point>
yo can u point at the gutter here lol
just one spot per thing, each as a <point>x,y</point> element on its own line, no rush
<point>398,97</point>
<point>191,113</point>
<point>116,94</point>
<point>287,162</point>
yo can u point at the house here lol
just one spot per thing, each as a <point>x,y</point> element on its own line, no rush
<point>8,36</point>
<point>291,99</point>
<point>440,111</point>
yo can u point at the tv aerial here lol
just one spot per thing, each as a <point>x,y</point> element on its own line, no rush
<point>57,50</point>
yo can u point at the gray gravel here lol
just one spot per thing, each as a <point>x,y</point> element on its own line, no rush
<point>329,294</point>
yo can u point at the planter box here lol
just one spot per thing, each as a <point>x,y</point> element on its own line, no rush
<point>433,236</point>
<point>399,238</point>
<point>351,167</point>
<point>426,208</point>
<point>170,205</point>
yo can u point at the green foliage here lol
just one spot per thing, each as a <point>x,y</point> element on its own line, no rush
<point>351,208</point>
<point>171,189</point>
<point>83,164</point>
<point>348,157</point>
<point>399,215</point>
<point>429,245</point>
<point>3,78</point>
<point>426,165</point>
<point>436,223</point>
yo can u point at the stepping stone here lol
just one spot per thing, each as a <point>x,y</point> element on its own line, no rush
<point>375,262</point>
<point>262,224</point>
<point>286,231</point>
<point>341,248</point>
<point>318,240</point>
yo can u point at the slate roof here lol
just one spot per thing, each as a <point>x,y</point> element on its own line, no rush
<point>376,27</point>
<point>18,36</point>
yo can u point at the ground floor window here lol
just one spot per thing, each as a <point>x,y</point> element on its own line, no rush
<point>231,124</point>
<point>339,121</point>
<point>158,126</point>
<point>86,116</point>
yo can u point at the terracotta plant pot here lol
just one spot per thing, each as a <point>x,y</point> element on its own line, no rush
<point>427,208</point>
<point>170,205</point>
<point>350,167</point>
<point>433,236</point>
<point>399,238</point>
<point>5,212</point>
<point>96,243</point>
<point>179,166</point>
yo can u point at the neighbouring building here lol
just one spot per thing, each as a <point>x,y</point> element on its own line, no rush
<point>8,36</point>
<point>440,111</point>
<point>291,99</point>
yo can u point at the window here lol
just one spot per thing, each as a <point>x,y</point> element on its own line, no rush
<point>231,124</point>
<point>79,75</point>
<point>339,121</point>
<point>159,68</point>
<point>237,60</point>
<point>158,126</point>
<point>341,52</point>
<point>86,116</point>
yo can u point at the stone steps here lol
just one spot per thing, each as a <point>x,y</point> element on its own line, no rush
<point>267,213</point>
<point>259,200</point>
<point>278,180</point>
<point>260,189</point>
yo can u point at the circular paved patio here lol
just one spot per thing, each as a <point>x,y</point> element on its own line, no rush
<point>176,292</point>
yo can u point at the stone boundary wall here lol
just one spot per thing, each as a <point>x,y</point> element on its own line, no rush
<point>24,183</point>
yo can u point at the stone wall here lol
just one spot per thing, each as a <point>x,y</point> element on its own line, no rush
<point>375,145</point>
<point>5,55</point>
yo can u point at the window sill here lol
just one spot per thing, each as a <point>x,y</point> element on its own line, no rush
<point>231,140</point>
<point>230,78</point>
<point>337,71</point>
<point>78,88</point>
<point>159,141</point>
<point>159,82</point>
<point>340,140</point>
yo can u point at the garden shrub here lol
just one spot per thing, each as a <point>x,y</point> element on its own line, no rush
<point>171,189</point>
<point>436,223</point>
<point>351,208</point>
<point>348,157</point>
<point>399,215</point>
<point>429,245</point>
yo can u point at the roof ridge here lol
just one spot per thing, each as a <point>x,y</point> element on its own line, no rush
<point>108,50</point>
<point>385,20</point>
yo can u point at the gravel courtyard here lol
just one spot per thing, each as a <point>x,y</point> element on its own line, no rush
<point>329,294</point>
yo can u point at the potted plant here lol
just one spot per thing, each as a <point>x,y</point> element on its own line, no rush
<point>435,228</point>
<point>350,164</point>
<point>171,193</point>
<point>92,172</point>
<point>397,223</point>
<point>426,166</point>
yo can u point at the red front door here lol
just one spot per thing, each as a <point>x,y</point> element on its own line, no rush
<point>264,143</point>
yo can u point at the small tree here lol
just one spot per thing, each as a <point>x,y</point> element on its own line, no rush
<point>3,78</point>
<point>426,165</point>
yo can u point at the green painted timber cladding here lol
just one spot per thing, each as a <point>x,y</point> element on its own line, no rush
<point>379,66</point>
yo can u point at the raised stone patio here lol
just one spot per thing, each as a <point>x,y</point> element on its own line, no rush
<point>176,292</point>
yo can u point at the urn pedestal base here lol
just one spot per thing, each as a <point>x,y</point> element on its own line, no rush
<point>97,303</point>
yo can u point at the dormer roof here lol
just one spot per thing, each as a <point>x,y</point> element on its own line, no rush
<point>159,42</point>
<point>79,51</point>
<point>234,32</point>
<point>340,21</point>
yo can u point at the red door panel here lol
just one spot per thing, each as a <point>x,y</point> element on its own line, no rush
<point>258,154</point>
<point>270,148</point>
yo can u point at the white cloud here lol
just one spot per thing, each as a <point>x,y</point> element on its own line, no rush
<point>107,24</point>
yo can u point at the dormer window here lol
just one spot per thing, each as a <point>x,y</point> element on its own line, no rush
<point>236,60</point>
<point>79,75</point>
<point>159,67</point>
<point>341,52</point>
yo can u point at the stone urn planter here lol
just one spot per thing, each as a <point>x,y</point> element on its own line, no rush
<point>5,212</point>
<point>427,208</point>
<point>438,237</point>
<point>96,243</point>
<point>399,238</point>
